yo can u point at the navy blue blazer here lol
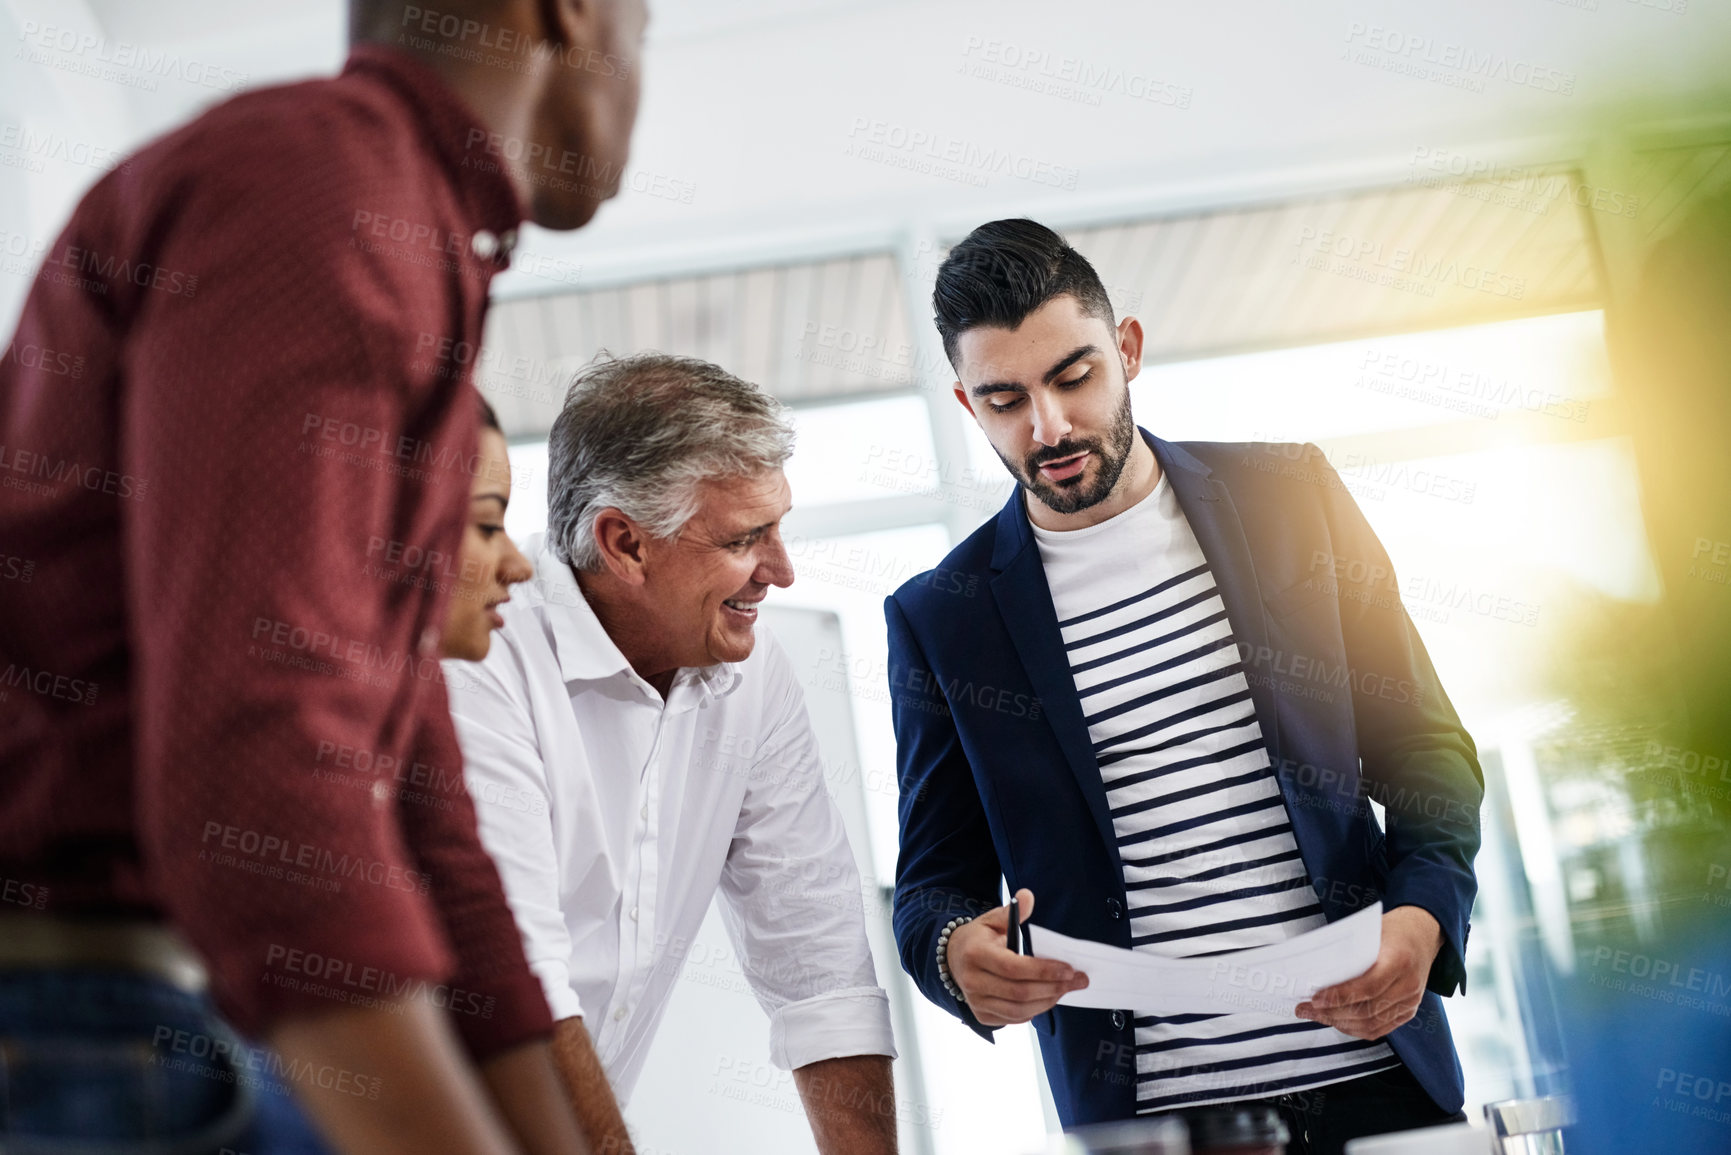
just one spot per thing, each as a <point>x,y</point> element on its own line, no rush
<point>998,776</point>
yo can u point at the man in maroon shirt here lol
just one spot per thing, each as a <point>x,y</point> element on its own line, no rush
<point>235,418</point>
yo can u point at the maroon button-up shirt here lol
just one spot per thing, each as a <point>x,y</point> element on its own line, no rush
<point>237,430</point>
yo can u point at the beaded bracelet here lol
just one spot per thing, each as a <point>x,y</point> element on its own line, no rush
<point>944,958</point>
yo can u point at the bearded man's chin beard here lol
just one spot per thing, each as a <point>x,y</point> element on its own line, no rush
<point>1078,493</point>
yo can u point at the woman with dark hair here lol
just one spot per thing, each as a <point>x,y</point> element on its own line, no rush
<point>490,563</point>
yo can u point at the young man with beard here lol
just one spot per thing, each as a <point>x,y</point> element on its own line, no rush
<point>1164,718</point>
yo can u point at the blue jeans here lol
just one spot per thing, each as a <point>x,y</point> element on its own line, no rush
<point>117,1063</point>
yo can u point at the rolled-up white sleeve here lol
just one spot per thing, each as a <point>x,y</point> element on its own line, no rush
<point>836,1025</point>
<point>506,776</point>
<point>792,898</point>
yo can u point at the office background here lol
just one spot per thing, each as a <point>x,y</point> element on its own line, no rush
<point>1395,229</point>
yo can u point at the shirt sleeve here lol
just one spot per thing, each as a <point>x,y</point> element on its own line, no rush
<point>494,1000</point>
<point>503,768</point>
<point>948,867</point>
<point>792,901</point>
<point>261,414</point>
<point>1416,757</point>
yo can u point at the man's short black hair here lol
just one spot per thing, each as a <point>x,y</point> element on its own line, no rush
<point>1005,270</point>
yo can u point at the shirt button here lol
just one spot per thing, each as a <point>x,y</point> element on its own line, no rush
<point>1114,908</point>
<point>1118,1020</point>
<point>619,1015</point>
<point>484,244</point>
<point>381,792</point>
<point>644,813</point>
<point>634,914</point>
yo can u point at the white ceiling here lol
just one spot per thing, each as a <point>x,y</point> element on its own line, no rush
<point>755,103</point>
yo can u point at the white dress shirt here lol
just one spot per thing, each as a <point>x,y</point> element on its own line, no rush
<point>614,818</point>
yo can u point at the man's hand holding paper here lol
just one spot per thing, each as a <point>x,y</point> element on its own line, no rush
<point>1004,988</point>
<point>1272,979</point>
<point>1387,995</point>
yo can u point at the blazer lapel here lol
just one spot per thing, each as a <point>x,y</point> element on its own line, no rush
<point>1025,601</point>
<point>1214,520</point>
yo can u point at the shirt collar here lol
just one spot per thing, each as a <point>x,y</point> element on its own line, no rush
<point>487,195</point>
<point>585,651</point>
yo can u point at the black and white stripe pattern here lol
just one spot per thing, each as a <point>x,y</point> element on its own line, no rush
<point>1210,863</point>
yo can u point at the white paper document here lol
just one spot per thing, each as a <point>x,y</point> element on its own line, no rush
<point>1270,979</point>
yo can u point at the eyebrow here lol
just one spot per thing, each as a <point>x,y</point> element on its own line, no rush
<point>504,502</point>
<point>1068,360</point>
<point>735,535</point>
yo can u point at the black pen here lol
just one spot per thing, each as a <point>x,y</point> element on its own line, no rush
<point>1012,932</point>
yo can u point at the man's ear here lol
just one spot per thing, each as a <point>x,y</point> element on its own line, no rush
<point>621,542</point>
<point>966,401</point>
<point>1130,346</point>
<point>565,22</point>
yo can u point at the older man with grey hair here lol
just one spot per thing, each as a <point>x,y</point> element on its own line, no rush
<point>647,750</point>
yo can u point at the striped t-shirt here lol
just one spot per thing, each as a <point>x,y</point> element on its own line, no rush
<point>1210,864</point>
